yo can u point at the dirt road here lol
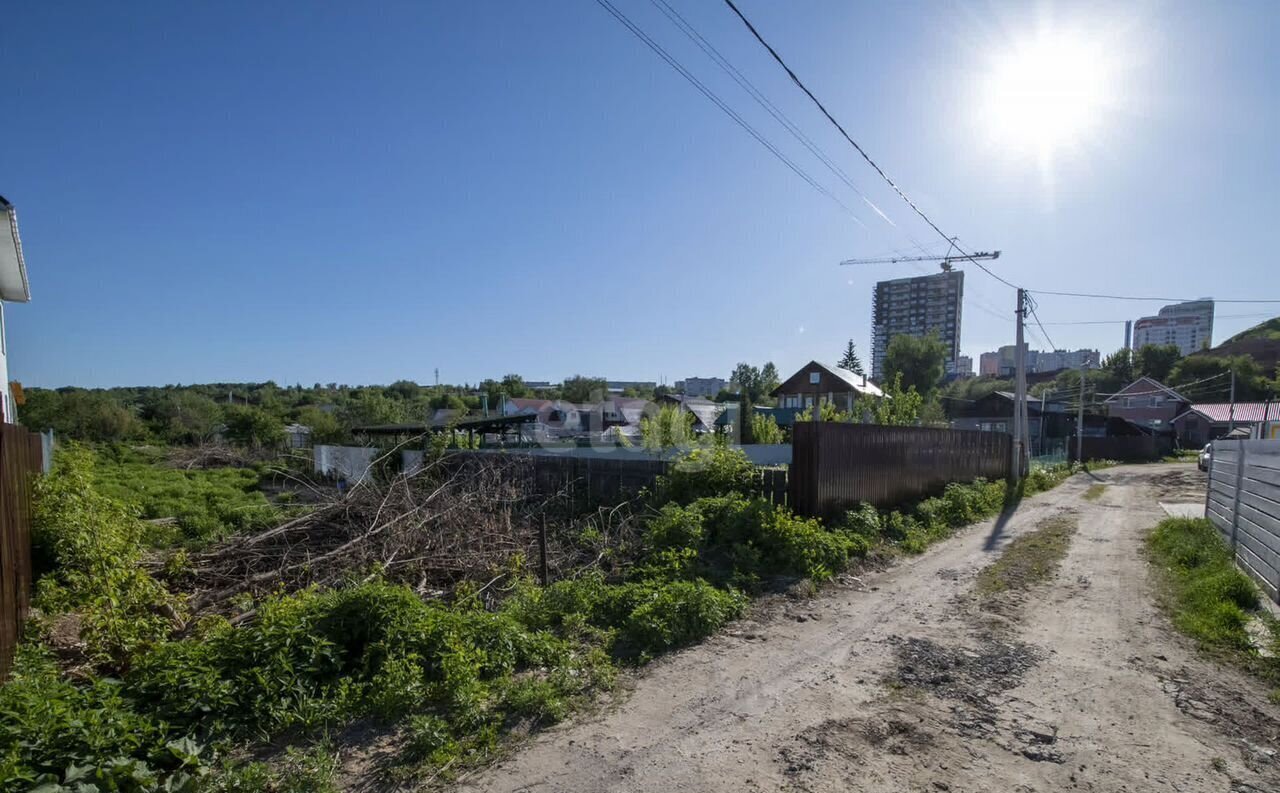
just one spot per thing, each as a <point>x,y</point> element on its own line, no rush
<point>907,680</point>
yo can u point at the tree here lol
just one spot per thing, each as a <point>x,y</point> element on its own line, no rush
<point>513,386</point>
<point>670,427</point>
<point>1251,383</point>
<point>580,389</point>
<point>765,429</point>
<point>404,389</point>
<point>1119,369</point>
<point>899,407</point>
<point>325,427</point>
<point>253,426</point>
<point>1156,361</point>
<point>183,416</point>
<point>755,384</point>
<point>850,360</point>
<point>372,408</point>
<point>919,360</point>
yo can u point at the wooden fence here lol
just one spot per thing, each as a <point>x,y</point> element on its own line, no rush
<point>835,465</point>
<point>20,460</point>
<point>1126,448</point>
<point>1243,503</point>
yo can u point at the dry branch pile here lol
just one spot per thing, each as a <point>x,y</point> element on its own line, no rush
<point>451,521</point>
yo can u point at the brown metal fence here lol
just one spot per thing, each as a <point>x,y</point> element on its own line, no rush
<point>1124,447</point>
<point>834,466</point>
<point>20,460</point>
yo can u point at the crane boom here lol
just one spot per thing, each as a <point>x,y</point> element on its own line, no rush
<point>945,259</point>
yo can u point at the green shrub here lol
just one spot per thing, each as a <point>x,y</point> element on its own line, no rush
<point>863,522</point>
<point>539,700</point>
<point>89,547</point>
<point>55,731</point>
<point>676,615</point>
<point>714,471</point>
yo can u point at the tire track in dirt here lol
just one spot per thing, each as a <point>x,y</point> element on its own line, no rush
<point>905,681</point>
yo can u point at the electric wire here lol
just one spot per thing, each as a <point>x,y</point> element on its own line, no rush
<point>720,103</point>
<point>800,84</point>
<point>745,83</point>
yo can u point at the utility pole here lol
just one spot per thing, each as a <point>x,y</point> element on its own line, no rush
<point>1231,424</point>
<point>1080,420</point>
<point>1020,391</point>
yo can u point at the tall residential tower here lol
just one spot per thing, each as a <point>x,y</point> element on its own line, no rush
<point>917,307</point>
<point>1188,325</point>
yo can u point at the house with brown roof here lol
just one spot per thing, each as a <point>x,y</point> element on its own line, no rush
<point>817,380</point>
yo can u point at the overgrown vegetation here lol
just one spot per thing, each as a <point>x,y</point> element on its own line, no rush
<point>1209,598</point>
<point>1029,559</point>
<point>161,703</point>
<point>205,504</point>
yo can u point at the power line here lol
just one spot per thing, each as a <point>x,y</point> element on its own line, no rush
<point>1031,305</point>
<point>800,84</point>
<point>720,103</point>
<point>1157,299</point>
<point>1122,321</point>
<point>707,47</point>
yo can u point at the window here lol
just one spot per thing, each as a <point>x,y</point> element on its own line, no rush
<point>1128,402</point>
<point>1157,401</point>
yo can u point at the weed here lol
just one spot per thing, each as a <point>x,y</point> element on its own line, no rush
<point>714,471</point>
<point>1029,559</point>
<point>1209,598</point>
<point>1094,492</point>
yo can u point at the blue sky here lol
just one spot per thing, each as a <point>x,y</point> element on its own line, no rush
<point>365,192</point>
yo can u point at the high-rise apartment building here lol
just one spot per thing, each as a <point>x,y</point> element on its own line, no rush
<point>917,307</point>
<point>1188,325</point>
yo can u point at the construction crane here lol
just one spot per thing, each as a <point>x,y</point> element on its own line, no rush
<point>946,259</point>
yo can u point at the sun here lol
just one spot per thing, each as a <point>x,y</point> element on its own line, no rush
<point>1047,92</point>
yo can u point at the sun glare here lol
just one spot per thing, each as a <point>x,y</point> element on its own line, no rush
<point>1047,93</point>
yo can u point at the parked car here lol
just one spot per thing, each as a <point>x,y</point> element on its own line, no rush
<point>1206,457</point>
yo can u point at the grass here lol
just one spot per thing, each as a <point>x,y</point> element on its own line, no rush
<point>1209,598</point>
<point>206,504</point>
<point>1029,559</point>
<point>1094,492</point>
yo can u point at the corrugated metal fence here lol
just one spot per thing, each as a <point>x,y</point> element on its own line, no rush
<point>1126,448</point>
<point>20,460</point>
<point>834,465</point>
<point>1243,503</point>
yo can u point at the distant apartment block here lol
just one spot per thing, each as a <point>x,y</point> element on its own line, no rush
<point>1188,325</point>
<point>964,366</point>
<point>701,386</point>
<point>618,386</point>
<point>989,364</point>
<point>1003,362</point>
<point>917,307</point>
<point>1066,359</point>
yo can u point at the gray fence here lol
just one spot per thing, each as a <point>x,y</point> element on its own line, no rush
<point>1243,503</point>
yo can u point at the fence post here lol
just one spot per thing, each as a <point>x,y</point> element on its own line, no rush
<point>542,549</point>
<point>1235,506</point>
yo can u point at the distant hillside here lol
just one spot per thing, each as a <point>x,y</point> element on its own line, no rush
<point>1261,342</point>
<point>1269,330</point>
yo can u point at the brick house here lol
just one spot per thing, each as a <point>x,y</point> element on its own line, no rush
<point>1147,403</point>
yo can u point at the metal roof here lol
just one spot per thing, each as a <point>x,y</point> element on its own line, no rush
<point>13,270</point>
<point>1221,413</point>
